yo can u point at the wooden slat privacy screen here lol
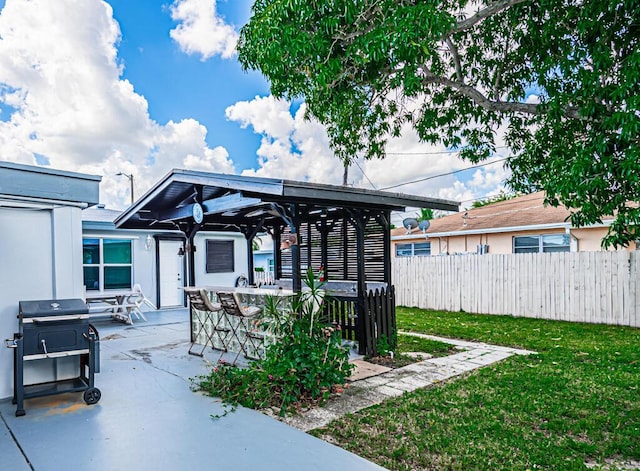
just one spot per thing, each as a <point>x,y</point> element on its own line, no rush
<point>341,251</point>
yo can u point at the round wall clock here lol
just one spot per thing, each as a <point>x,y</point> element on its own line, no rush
<point>197,213</point>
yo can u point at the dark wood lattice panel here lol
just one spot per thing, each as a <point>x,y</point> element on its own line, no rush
<point>342,254</point>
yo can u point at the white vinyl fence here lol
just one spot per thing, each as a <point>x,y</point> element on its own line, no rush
<point>595,287</point>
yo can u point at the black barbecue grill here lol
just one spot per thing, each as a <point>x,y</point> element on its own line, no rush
<point>54,329</point>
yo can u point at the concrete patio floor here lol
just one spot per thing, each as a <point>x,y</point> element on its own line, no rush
<point>149,419</point>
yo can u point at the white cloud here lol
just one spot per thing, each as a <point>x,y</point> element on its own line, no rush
<point>59,71</point>
<point>533,99</point>
<point>201,30</point>
<point>298,149</point>
<point>265,114</point>
<point>291,147</point>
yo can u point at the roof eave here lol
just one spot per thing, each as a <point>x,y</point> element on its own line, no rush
<point>494,230</point>
<point>278,189</point>
<point>394,201</point>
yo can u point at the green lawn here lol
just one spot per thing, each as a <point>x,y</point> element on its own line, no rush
<point>577,401</point>
<point>409,343</point>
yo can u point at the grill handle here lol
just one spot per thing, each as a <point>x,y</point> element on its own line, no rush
<point>45,319</point>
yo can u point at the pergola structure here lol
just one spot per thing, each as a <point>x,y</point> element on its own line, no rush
<point>343,229</point>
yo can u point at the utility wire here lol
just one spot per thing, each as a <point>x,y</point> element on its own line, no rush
<point>365,175</point>
<point>433,153</point>
<point>445,174</point>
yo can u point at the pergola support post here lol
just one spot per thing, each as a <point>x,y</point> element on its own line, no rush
<point>324,230</point>
<point>384,220</point>
<point>250,233</point>
<point>277,255</point>
<point>294,226</point>
<point>292,219</point>
<point>190,252</point>
<point>358,220</point>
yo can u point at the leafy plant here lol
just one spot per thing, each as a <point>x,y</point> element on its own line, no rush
<point>560,77</point>
<point>386,345</point>
<point>426,214</point>
<point>382,346</point>
<point>305,365</point>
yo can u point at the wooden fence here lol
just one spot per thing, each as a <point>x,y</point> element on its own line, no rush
<point>368,322</point>
<point>343,311</point>
<point>595,287</point>
<point>379,320</point>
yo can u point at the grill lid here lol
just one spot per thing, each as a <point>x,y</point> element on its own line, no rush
<point>52,307</point>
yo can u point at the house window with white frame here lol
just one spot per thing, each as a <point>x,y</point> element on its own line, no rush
<point>542,243</point>
<point>417,249</point>
<point>107,263</point>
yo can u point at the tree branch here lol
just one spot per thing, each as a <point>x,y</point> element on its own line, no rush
<point>489,10</point>
<point>491,105</point>
<point>364,18</point>
<point>456,58</point>
<point>501,68</point>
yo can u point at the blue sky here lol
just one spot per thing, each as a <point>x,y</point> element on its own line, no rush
<point>144,86</point>
<point>178,85</point>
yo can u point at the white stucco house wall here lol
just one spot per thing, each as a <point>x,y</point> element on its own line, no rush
<point>55,243</point>
<point>40,243</point>
<point>151,258</point>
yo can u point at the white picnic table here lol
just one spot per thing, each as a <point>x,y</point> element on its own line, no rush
<point>120,303</point>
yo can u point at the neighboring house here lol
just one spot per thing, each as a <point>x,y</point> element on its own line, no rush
<point>40,246</point>
<point>120,258</point>
<point>518,225</point>
<point>263,260</point>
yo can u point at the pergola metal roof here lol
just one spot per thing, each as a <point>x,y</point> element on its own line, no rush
<point>343,229</point>
<point>231,202</point>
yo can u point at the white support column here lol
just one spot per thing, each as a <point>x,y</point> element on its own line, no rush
<point>66,230</point>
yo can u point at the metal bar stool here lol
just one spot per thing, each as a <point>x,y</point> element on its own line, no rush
<point>211,319</point>
<point>241,319</point>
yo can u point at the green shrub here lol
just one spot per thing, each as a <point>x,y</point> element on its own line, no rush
<point>303,367</point>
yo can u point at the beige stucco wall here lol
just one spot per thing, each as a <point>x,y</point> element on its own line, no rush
<point>588,240</point>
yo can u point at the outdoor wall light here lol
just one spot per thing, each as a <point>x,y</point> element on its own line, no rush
<point>288,241</point>
<point>186,249</point>
<point>148,242</point>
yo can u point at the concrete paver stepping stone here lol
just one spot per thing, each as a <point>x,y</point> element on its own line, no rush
<point>364,369</point>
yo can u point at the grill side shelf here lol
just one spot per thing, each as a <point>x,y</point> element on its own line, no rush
<point>67,353</point>
<point>43,319</point>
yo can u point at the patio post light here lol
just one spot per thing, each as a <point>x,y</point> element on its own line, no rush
<point>130,177</point>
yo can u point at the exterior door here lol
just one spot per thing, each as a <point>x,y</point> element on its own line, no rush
<point>171,274</point>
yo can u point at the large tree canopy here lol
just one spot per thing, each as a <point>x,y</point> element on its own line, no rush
<point>458,70</point>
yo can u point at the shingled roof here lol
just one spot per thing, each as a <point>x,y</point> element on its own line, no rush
<point>527,210</point>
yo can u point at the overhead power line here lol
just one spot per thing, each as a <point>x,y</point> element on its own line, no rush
<point>431,177</point>
<point>365,175</point>
<point>433,153</point>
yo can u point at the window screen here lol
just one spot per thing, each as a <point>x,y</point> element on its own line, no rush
<point>220,256</point>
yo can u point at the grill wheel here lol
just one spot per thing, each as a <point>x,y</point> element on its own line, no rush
<point>92,396</point>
